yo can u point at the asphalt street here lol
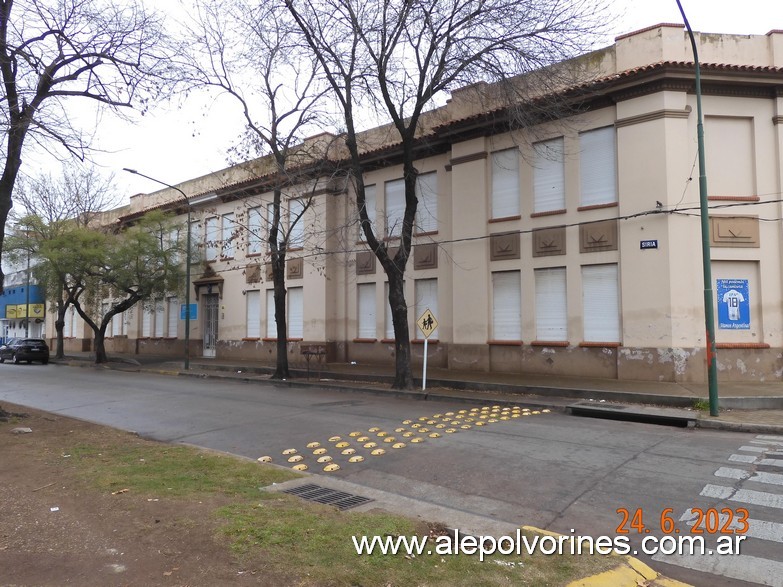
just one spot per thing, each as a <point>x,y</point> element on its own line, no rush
<point>548,470</point>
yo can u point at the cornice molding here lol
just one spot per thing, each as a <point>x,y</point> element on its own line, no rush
<point>650,116</point>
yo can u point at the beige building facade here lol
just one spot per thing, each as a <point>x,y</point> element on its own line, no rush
<point>572,247</point>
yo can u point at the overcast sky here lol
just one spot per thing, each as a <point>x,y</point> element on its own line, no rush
<point>177,144</point>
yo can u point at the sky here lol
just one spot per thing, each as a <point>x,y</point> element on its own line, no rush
<point>175,143</point>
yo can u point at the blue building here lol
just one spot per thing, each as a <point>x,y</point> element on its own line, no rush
<point>22,312</point>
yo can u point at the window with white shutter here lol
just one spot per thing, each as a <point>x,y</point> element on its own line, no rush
<point>159,314</point>
<point>549,176</point>
<point>426,291</point>
<point>296,223</point>
<point>506,305</point>
<point>601,303</point>
<point>68,322</point>
<point>212,236</point>
<point>551,304</point>
<point>505,183</point>
<point>394,207</point>
<point>271,325</point>
<point>295,306</point>
<point>146,322</point>
<point>365,294</point>
<point>227,236</point>
<point>598,166</point>
<point>388,321</point>
<point>427,208</point>
<point>116,324</point>
<point>255,231</point>
<point>173,323</point>
<point>369,204</point>
<point>253,314</point>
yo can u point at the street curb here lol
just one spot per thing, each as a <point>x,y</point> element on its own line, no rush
<point>707,424</point>
<point>629,572</point>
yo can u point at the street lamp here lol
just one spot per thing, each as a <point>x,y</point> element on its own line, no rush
<point>187,262</point>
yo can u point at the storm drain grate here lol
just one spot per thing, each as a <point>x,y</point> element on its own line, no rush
<point>339,499</point>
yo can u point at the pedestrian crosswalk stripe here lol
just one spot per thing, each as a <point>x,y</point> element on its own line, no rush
<point>754,460</point>
<point>757,476</point>
<point>743,567</point>
<point>760,529</point>
<point>768,442</point>
<point>769,437</point>
<point>754,448</point>
<point>748,496</point>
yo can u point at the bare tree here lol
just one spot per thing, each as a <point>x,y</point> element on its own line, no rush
<point>54,52</point>
<point>247,50</point>
<point>400,57</point>
<point>48,208</point>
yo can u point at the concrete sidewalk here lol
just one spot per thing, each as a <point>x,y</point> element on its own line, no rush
<point>751,407</point>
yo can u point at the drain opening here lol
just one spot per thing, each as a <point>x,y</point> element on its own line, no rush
<point>339,499</point>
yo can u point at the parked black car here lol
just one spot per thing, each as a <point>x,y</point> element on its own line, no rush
<point>25,349</point>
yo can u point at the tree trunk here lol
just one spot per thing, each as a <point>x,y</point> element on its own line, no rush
<point>281,366</point>
<point>59,326</point>
<point>100,346</point>
<point>403,376</point>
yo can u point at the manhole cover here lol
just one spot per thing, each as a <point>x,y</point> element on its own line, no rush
<point>339,499</point>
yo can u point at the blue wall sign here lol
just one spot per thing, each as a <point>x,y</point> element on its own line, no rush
<point>733,304</point>
<point>193,311</point>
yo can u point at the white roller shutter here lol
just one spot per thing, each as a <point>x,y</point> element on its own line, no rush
<point>394,207</point>
<point>426,298</point>
<point>173,322</point>
<point>159,315</point>
<point>598,166</point>
<point>427,208</point>
<point>253,301</point>
<point>295,303</point>
<point>549,176</point>
<point>601,303</point>
<point>271,325</point>
<point>551,304</point>
<point>505,183</point>
<point>506,306</point>
<point>365,293</point>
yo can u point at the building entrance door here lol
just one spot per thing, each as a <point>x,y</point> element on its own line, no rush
<point>211,309</point>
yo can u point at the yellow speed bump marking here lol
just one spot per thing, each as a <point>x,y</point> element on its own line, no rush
<point>504,418</point>
<point>515,415</point>
<point>295,459</point>
<point>378,452</point>
<point>449,413</point>
<point>431,422</point>
<point>424,418</point>
<point>300,467</point>
<point>348,451</point>
<point>289,451</point>
<point>407,434</point>
<point>424,430</point>
<point>342,444</point>
<point>265,459</point>
<point>332,467</point>
<point>434,435</point>
<point>536,412</point>
<point>545,411</point>
<point>370,445</point>
<point>480,423</point>
<point>313,444</point>
<point>525,413</point>
<point>325,459</point>
<point>417,440</point>
<point>465,426</point>
<point>373,429</point>
<point>399,429</point>
<point>319,451</point>
<point>491,421</point>
<point>355,434</point>
<point>450,430</point>
<point>438,416</point>
<point>382,434</point>
<point>406,422</point>
<point>356,459</point>
<point>389,439</point>
<point>415,425</point>
<point>398,445</point>
<point>335,439</point>
<point>363,439</point>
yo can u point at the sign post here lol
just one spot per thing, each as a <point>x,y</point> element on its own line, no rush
<point>427,324</point>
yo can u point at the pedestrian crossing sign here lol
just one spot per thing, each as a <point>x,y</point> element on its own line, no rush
<point>427,323</point>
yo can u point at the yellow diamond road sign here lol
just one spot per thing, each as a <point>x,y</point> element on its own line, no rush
<point>427,323</point>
